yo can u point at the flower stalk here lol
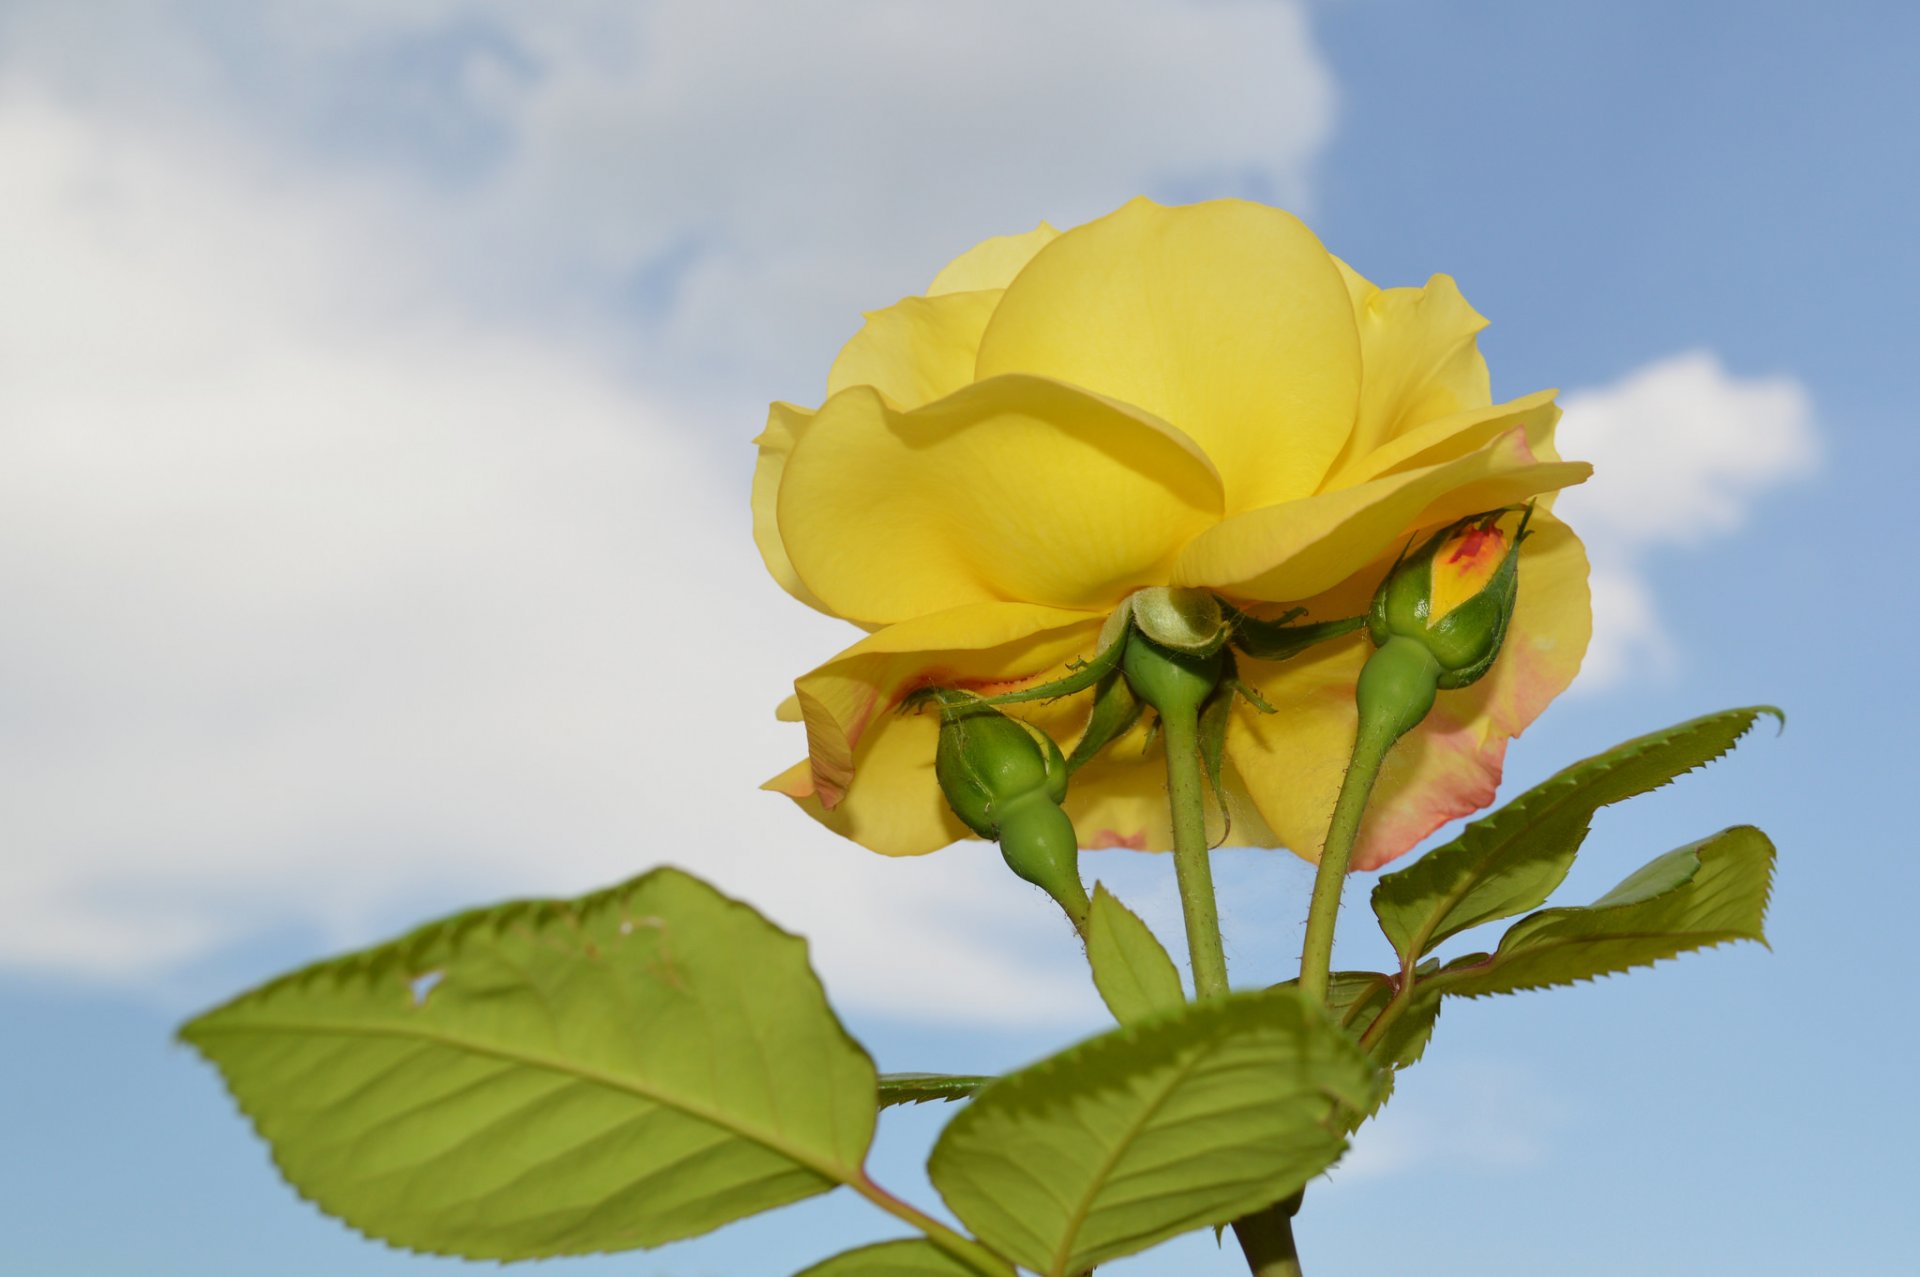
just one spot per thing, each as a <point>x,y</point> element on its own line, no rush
<point>1192,860</point>
<point>1395,691</point>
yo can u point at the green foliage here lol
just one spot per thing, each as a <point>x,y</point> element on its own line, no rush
<point>912,1258</point>
<point>1699,896</point>
<point>1356,1000</point>
<point>923,1088</point>
<point>554,1077</point>
<point>1511,861</point>
<point>1133,973</point>
<point>1189,1119</point>
<point>1694,898</point>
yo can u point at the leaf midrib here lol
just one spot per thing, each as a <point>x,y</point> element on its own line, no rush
<point>593,1077</point>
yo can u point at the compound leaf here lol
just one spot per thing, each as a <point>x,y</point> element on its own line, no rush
<point>1510,861</point>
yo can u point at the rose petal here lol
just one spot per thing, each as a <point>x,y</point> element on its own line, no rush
<point>1418,357</point>
<point>1119,800</point>
<point>916,350</point>
<point>1452,437</point>
<point>1227,319</point>
<point>785,424</point>
<point>1017,489</point>
<point>992,263</point>
<point>1294,551</point>
<point>848,703</point>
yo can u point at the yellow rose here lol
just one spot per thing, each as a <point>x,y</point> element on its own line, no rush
<point>1196,396</point>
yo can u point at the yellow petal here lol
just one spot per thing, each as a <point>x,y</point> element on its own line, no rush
<point>1296,550</point>
<point>870,768</point>
<point>1227,319</point>
<point>917,350</point>
<point>898,810</point>
<point>788,710</point>
<point>1450,437</point>
<point>991,264</point>
<point>785,424</point>
<point>1018,489</point>
<point>1419,360</point>
<point>1293,761</point>
<point>1119,800</point>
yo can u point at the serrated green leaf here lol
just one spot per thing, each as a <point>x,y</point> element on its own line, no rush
<point>914,1258</point>
<point>1194,1118</point>
<point>1510,861</point>
<point>1694,898</point>
<point>1131,969</point>
<point>923,1088</point>
<point>554,1077</point>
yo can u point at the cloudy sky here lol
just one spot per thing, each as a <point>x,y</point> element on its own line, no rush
<point>375,389</point>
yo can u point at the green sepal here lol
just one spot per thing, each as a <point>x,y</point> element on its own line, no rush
<point>1084,674</point>
<point>1115,710</point>
<point>1278,639</point>
<point>908,1257</point>
<point>1512,859</point>
<point>554,1077</point>
<point>924,1088</point>
<point>1214,718</point>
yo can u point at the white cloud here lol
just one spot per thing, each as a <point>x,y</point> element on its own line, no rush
<point>1682,451</point>
<point>321,599</point>
<point>767,169</point>
<point>345,568</point>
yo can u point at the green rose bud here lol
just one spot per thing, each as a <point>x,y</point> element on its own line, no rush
<point>1006,780</point>
<point>1453,597</point>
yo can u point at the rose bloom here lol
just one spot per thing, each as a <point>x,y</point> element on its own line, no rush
<point>1198,396</point>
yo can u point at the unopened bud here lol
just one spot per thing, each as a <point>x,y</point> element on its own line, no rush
<point>1454,597</point>
<point>1006,780</point>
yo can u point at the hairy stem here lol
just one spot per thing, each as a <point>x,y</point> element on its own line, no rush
<point>1370,748</point>
<point>1186,789</point>
<point>1266,1236</point>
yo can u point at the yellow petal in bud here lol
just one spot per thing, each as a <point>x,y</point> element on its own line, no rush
<point>1463,565</point>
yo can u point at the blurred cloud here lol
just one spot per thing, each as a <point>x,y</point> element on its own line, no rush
<point>1682,451</point>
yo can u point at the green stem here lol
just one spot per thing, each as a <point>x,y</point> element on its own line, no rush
<point>1266,1236</point>
<point>1266,1239</point>
<point>1192,866</point>
<point>1394,692</point>
<point>972,1254</point>
<point>1370,748</point>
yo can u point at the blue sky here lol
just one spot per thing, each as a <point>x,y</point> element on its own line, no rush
<point>374,384</point>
